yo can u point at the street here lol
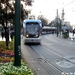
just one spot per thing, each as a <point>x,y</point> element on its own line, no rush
<point>55,56</point>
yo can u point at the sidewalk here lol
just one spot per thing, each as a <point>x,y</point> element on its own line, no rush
<point>4,39</point>
<point>9,38</point>
<point>71,37</point>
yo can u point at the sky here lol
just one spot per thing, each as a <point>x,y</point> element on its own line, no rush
<point>48,8</point>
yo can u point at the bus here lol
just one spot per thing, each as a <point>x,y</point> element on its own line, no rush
<point>32,31</point>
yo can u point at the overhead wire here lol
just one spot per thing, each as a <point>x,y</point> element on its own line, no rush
<point>67,4</point>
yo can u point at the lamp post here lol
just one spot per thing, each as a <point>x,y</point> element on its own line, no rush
<point>57,22</point>
<point>17,47</point>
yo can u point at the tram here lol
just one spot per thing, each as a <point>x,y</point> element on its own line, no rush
<point>47,29</point>
<point>32,31</point>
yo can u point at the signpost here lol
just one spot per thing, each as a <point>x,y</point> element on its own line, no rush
<point>17,46</point>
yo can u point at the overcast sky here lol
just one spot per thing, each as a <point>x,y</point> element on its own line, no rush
<point>48,9</point>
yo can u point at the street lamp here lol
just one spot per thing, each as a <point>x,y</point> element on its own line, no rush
<point>17,47</point>
<point>57,22</point>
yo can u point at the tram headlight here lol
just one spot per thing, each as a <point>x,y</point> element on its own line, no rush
<point>27,35</point>
<point>36,35</point>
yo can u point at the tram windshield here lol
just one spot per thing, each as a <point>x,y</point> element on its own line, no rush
<point>32,29</point>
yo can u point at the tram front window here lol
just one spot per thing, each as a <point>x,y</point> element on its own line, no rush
<point>32,31</point>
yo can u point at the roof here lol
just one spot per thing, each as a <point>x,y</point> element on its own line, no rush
<point>29,20</point>
<point>46,27</point>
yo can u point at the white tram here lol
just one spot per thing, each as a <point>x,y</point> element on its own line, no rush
<point>32,31</point>
<point>47,29</point>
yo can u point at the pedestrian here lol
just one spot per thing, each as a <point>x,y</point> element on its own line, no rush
<point>22,32</point>
<point>2,34</point>
<point>73,32</point>
<point>11,36</point>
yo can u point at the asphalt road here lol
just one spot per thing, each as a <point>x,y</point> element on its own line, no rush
<point>55,56</point>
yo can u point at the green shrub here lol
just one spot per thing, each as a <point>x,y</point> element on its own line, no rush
<point>65,34</point>
<point>3,45</point>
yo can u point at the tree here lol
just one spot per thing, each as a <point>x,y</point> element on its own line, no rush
<point>43,20</point>
<point>11,10</point>
<point>7,12</point>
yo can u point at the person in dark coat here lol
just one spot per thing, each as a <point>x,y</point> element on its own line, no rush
<point>11,35</point>
<point>73,32</point>
<point>2,34</point>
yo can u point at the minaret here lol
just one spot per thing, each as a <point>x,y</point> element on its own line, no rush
<point>62,17</point>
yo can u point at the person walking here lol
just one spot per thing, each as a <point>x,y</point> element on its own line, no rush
<point>73,32</point>
<point>12,35</point>
<point>2,34</point>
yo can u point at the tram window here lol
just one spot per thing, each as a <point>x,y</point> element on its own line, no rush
<point>31,23</point>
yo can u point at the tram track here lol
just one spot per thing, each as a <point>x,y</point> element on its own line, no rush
<point>63,42</point>
<point>48,61</point>
<point>56,53</point>
<point>51,62</point>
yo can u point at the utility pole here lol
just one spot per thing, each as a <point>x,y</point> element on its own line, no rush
<point>57,22</point>
<point>63,16</point>
<point>17,46</point>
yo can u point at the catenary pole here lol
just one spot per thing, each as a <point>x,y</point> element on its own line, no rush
<point>17,41</point>
<point>57,22</point>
